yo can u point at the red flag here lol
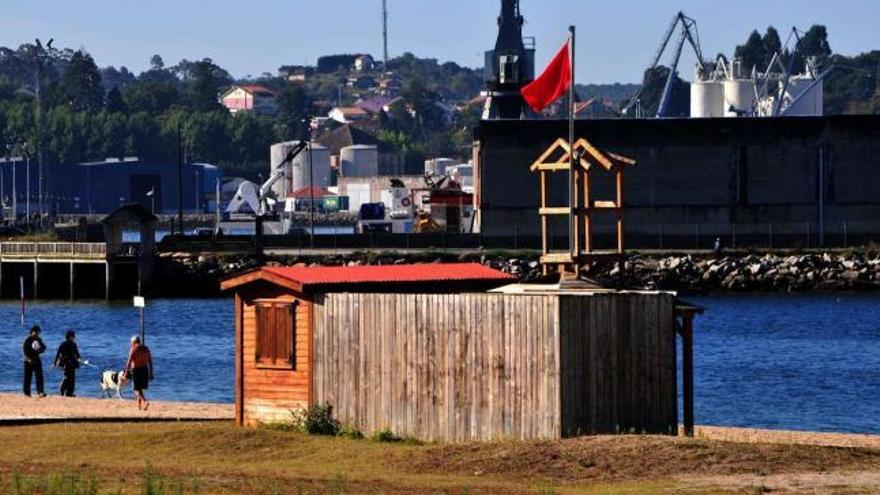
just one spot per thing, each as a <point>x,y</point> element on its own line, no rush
<point>552,84</point>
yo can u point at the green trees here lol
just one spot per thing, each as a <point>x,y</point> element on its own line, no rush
<point>293,112</point>
<point>80,86</point>
<point>204,88</point>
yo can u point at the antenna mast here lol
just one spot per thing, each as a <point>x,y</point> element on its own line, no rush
<point>385,34</point>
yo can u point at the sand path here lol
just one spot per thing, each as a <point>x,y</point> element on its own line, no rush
<point>18,408</point>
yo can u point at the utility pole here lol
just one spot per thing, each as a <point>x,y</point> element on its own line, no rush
<point>39,56</point>
<point>385,35</point>
<point>179,183</point>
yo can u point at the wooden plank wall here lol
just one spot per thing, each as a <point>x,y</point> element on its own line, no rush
<point>440,367</point>
<point>618,364</point>
<point>269,395</point>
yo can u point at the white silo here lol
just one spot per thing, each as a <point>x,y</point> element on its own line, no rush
<point>438,166</point>
<point>359,161</point>
<point>277,154</point>
<point>739,97</point>
<point>707,99</point>
<point>319,156</point>
<point>803,98</point>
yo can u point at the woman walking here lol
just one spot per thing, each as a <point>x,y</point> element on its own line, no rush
<point>140,366</point>
<point>67,358</point>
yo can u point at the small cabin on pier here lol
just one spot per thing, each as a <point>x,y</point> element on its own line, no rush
<point>453,353</point>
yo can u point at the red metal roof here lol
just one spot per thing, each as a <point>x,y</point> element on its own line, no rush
<point>390,274</point>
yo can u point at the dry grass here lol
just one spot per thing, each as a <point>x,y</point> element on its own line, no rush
<point>219,458</point>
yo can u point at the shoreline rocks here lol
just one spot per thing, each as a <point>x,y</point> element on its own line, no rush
<point>186,275</point>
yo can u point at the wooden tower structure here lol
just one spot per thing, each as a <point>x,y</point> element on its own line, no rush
<point>583,206</point>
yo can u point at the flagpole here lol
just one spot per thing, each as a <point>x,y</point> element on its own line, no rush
<point>571,157</point>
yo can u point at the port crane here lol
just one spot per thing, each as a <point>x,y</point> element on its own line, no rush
<point>257,199</point>
<point>688,34</point>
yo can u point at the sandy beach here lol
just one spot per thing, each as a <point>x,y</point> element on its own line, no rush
<point>15,407</point>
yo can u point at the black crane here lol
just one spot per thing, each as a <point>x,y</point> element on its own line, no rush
<point>509,67</point>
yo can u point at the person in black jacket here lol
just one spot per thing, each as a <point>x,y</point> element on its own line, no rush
<point>67,358</point>
<point>32,347</point>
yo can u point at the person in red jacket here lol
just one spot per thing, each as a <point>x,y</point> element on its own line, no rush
<point>140,367</point>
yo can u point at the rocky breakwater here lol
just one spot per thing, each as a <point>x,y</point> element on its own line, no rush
<point>186,275</point>
<point>757,273</point>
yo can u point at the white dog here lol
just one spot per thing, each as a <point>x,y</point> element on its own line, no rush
<point>110,380</point>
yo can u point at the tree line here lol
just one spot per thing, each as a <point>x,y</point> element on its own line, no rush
<point>90,113</point>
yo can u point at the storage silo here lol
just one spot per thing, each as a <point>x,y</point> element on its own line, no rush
<point>707,99</point>
<point>739,97</point>
<point>438,166</point>
<point>320,165</point>
<point>277,154</point>
<point>805,98</point>
<point>359,161</point>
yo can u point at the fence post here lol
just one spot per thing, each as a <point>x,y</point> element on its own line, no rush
<point>660,228</point>
<point>516,236</point>
<point>845,235</point>
<point>809,236</point>
<point>770,231</point>
<point>698,236</point>
<point>733,235</point>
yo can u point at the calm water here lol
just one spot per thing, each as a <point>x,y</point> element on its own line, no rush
<point>191,340</point>
<point>792,362</point>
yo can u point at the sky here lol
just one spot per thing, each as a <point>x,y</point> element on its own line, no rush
<point>616,39</point>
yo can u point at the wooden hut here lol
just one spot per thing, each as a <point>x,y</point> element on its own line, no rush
<point>430,351</point>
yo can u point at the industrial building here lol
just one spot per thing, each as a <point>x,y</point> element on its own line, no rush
<point>102,187</point>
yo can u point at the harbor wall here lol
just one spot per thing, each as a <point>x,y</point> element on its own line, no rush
<point>813,175</point>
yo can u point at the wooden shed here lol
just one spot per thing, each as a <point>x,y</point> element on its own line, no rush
<point>432,352</point>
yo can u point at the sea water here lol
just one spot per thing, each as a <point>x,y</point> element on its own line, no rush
<point>808,362</point>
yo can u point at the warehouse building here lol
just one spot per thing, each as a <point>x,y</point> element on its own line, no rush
<point>102,187</point>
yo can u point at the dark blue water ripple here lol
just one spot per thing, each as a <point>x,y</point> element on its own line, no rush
<point>792,362</point>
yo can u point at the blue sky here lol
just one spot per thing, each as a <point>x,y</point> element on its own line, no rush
<point>616,38</point>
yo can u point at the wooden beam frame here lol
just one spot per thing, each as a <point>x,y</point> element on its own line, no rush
<point>582,207</point>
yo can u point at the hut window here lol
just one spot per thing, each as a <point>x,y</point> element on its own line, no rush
<point>276,335</point>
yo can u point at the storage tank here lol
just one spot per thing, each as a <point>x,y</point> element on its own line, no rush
<point>277,154</point>
<point>359,161</point>
<point>811,104</point>
<point>739,97</point>
<point>320,165</point>
<point>707,99</point>
<point>438,166</point>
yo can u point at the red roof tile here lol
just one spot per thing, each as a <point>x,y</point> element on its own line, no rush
<point>389,274</point>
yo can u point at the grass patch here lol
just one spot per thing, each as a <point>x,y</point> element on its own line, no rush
<point>220,458</point>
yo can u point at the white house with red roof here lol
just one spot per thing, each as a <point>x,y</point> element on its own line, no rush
<point>251,98</point>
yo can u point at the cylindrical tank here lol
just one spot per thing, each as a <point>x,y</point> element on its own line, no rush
<point>804,100</point>
<point>707,99</point>
<point>320,165</point>
<point>739,98</point>
<point>277,153</point>
<point>438,166</point>
<point>359,161</point>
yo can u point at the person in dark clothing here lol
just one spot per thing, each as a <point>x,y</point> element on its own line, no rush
<point>67,358</point>
<point>32,347</point>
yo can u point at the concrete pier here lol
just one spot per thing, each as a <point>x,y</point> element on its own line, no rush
<point>68,270</point>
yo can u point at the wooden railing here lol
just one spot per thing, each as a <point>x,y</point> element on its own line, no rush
<point>53,249</point>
